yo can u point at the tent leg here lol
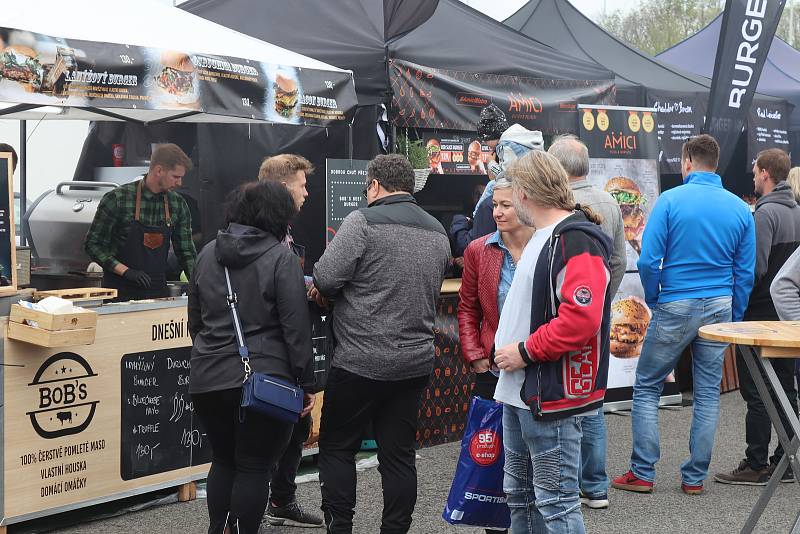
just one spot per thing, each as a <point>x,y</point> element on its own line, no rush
<point>23,179</point>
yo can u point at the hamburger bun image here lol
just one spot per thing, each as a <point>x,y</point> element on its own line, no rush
<point>630,318</point>
<point>285,96</point>
<point>177,75</point>
<point>21,64</point>
<point>630,199</point>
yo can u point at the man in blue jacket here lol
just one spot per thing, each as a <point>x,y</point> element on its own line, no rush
<point>697,268</point>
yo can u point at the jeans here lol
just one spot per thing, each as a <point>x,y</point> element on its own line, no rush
<point>673,327</point>
<point>758,428</point>
<point>592,474</point>
<point>242,456</point>
<point>541,473</point>
<point>351,402</point>
<point>282,486</point>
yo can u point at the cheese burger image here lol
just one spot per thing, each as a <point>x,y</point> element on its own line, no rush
<point>630,318</point>
<point>177,76</point>
<point>285,96</point>
<point>20,64</point>
<point>630,200</point>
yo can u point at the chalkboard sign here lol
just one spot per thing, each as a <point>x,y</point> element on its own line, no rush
<point>159,430</point>
<point>345,181</point>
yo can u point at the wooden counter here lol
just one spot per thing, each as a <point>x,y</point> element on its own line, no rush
<point>89,424</point>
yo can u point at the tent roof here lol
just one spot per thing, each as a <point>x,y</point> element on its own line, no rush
<point>780,77</point>
<point>559,24</point>
<point>140,23</point>
<point>353,34</point>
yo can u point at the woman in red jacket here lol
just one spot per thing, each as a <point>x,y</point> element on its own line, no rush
<point>489,265</point>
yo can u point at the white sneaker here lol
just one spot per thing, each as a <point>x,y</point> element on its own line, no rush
<point>596,503</point>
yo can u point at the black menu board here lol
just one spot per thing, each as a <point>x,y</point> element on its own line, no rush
<point>767,127</point>
<point>345,180</point>
<point>159,430</point>
<point>8,257</point>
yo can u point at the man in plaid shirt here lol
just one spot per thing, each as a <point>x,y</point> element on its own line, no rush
<point>135,223</point>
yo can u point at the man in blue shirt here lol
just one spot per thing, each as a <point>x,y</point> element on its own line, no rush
<point>697,268</point>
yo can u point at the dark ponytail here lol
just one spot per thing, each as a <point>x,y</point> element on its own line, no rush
<point>591,215</point>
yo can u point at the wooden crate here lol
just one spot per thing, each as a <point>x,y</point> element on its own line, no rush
<point>78,293</point>
<point>53,321</point>
<point>51,338</point>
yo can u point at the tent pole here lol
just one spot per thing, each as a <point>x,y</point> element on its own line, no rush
<point>350,141</point>
<point>23,178</point>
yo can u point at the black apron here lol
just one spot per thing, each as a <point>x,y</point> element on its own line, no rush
<point>145,249</point>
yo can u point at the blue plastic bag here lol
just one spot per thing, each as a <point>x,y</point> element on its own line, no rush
<point>476,495</point>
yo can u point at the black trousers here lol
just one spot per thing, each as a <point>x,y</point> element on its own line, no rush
<point>282,486</point>
<point>351,402</point>
<point>242,457</point>
<point>758,428</point>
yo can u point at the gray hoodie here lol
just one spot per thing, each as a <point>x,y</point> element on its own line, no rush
<point>777,218</point>
<point>785,289</point>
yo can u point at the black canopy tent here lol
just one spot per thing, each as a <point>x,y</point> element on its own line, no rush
<point>641,79</point>
<point>363,36</point>
<point>780,77</point>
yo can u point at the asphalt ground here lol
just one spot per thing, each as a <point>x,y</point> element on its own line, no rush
<point>721,508</point>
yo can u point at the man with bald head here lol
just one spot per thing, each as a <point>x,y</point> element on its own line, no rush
<point>574,157</point>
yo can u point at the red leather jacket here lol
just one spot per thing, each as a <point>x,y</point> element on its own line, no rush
<point>478,315</point>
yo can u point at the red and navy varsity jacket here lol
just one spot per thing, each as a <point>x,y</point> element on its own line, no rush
<point>570,322</point>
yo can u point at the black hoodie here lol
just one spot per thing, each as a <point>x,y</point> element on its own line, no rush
<point>777,236</point>
<point>570,322</point>
<point>272,305</point>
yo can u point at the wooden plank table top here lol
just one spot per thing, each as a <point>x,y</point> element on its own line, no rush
<point>777,339</point>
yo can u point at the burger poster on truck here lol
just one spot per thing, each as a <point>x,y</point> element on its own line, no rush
<point>623,161</point>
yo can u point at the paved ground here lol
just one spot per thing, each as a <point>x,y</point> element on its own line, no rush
<point>722,509</point>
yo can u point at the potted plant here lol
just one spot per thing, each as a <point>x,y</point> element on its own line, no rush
<point>417,154</point>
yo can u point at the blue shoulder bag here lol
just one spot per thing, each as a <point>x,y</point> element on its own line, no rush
<point>265,394</point>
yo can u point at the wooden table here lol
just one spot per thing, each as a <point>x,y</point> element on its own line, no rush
<point>761,341</point>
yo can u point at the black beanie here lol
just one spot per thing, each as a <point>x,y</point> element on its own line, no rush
<point>492,123</point>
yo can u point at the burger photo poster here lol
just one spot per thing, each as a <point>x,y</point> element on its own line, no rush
<point>634,184</point>
<point>630,318</point>
<point>283,94</point>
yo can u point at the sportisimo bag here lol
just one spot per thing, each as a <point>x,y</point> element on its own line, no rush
<point>268,395</point>
<point>476,495</point>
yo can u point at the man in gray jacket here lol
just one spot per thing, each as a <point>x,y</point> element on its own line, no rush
<point>777,218</point>
<point>384,269</point>
<point>574,157</point>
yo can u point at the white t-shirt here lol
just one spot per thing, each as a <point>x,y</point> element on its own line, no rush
<point>515,320</point>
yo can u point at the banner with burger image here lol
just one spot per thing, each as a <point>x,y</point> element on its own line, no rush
<point>45,70</point>
<point>456,153</point>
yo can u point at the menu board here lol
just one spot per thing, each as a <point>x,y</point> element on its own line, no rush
<point>345,180</point>
<point>8,249</point>
<point>78,73</point>
<point>679,117</point>
<point>767,127</point>
<point>159,430</point>
<point>455,153</point>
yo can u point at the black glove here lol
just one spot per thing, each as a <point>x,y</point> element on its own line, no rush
<point>140,278</point>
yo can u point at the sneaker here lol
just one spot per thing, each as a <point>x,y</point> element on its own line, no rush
<point>597,502</point>
<point>630,482</point>
<point>744,475</point>
<point>692,489</point>
<point>788,475</point>
<point>292,515</point>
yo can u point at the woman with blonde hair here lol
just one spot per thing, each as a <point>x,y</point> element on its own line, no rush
<point>794,182</point>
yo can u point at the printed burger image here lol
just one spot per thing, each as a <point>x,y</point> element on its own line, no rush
<point>285,96</point>
<point>631,202</point>
<point>21,64</point>
<point>178,79</point>
<point>630,318</point>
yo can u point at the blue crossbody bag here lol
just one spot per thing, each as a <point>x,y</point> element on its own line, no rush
<point>265,394</point>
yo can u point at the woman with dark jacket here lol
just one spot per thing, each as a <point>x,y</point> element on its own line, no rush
<point>489,265</point>
<point>273,310</point>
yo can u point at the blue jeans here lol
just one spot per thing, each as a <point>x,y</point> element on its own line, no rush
<point>592,474</point>
<point>542,492</point>
<point>674,327</point>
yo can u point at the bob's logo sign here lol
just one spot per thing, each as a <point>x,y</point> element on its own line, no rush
<point>63,401</point>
